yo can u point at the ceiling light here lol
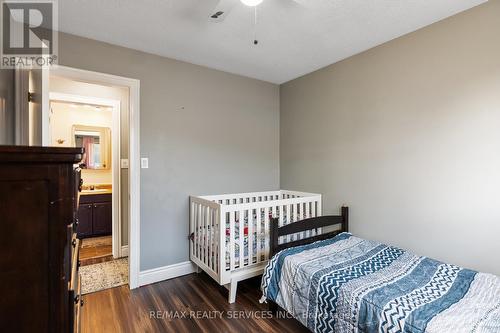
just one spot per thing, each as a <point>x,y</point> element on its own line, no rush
<point>252,3</point>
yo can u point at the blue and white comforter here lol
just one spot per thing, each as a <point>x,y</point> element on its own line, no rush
<point>348,284</point>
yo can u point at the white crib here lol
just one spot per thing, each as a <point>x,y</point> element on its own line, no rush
<point>229,233</point>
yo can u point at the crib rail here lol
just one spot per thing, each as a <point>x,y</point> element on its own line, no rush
<point>238,198</point>
<point>231,232</point>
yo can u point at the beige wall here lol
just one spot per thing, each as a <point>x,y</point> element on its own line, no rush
<point>66,86</point>
<point>408,135</point>
<point>204,132</point>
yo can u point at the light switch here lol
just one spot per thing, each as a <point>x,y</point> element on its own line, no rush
<point>144,163</point>
<point>124,163</point>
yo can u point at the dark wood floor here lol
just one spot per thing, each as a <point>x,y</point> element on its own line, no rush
<point>123,310</point>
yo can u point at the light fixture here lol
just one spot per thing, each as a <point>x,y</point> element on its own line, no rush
<point>252,3</point>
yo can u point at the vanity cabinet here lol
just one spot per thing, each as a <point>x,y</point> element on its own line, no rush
<point>95,215</point>
<point>101,218</point>
<point>84,220</point>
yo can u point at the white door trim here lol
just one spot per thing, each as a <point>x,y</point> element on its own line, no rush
<point>134,154</point>
<point>115,160</point>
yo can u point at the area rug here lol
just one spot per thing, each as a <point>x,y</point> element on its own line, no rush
<point>103,276</point>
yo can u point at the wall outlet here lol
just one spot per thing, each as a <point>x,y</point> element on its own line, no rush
<point>124,163</point>
<point>144,163</point>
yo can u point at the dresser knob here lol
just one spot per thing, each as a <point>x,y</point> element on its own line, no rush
<point>81,302</point>
<point>73,243</point>
<point>78,263</point>
<point>77,299</point>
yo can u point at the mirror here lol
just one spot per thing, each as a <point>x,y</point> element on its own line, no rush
<point>96,141</point>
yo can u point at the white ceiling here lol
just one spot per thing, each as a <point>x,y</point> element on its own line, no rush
<point>295,36</point>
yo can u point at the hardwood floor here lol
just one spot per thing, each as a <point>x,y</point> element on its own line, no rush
<point>153,308</point>
<point>96,250</point>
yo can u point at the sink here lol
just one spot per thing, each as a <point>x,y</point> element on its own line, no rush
<point>96,189</point>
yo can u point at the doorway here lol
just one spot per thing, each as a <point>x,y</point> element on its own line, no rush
<point>125,171</point>
<point>94,124</point>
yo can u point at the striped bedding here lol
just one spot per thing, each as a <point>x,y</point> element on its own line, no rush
<point>348,284</point>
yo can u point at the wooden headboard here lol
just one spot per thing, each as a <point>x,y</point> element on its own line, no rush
<point>305,225</point>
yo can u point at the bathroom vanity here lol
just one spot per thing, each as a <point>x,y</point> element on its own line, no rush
<point>95,213</point>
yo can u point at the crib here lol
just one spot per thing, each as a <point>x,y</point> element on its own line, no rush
<point>229,233</point>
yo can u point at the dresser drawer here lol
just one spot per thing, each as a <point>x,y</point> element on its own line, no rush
<point>75,263</point>
<point>77,304</point>
<point>71,256</point>
<point>74,285</point>
<point>78,183</point>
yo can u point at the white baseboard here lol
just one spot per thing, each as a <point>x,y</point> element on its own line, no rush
<point>124,251</point>
<point>166,272</point>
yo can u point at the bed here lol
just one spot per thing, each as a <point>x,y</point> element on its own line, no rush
<point>342,283</point>
<point>229,233</point>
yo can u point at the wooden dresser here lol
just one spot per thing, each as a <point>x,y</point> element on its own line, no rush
<point>39,279</point>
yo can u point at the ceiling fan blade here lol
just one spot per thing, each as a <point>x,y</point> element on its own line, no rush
<point>193,10</point>
<point>222,10</point>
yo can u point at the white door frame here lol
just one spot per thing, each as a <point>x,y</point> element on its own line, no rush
<point>115,158</point>
<point>134,154</point>
<point>22,114</point>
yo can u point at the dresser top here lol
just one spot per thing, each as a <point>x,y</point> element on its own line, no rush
<point>27,154</point>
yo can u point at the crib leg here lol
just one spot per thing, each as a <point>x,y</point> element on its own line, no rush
<point>197,269</point>
<point>232,291</point>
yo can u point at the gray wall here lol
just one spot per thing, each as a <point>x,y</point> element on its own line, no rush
<point>408,135</point>
<point>204,132</point>
<point>7,104</point>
